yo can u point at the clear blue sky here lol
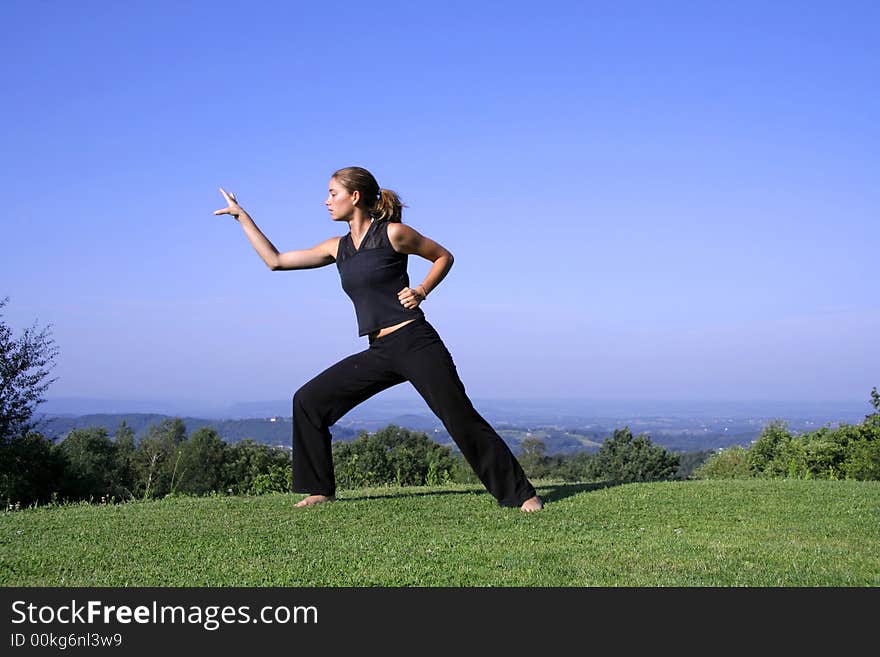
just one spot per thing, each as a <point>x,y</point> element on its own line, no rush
<point>646,200</point>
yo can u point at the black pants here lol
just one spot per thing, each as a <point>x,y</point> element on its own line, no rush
<point>413,353</point>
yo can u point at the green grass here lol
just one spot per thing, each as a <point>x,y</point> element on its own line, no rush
<point>694,533</point>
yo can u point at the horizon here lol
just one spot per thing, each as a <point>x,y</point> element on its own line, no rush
<point>379,406</point>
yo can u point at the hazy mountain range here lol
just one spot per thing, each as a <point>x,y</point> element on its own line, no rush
<point>529,410</point>
<point>563,426</point>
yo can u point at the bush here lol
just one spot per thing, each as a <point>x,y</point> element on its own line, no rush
<point>764,456</point>
<point>30,470</point>
<point>89,458</point>
<point>278,479</point>
<point>248,460</point>
<point>730,463</point>
<point>391,456</point>
<point>863,462</point>
<point>624,458</point>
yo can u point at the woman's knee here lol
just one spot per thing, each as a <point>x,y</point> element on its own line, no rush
<point>306,400</point>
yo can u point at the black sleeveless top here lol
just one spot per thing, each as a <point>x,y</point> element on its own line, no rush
<point>372,276</point>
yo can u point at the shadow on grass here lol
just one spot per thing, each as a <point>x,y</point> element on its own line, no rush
<point>416,492</point>
<point>556,492</point>
<point>548,492</point>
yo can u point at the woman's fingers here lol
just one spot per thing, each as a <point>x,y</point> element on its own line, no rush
<point>232,208</point>
<point>407,298</point>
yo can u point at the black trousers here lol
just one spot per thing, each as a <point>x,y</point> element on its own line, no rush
<point>413,353</point>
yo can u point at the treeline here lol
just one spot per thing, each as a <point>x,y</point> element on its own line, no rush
<point>851,451</point>
<point>90,465</point>
<point>401,457</point>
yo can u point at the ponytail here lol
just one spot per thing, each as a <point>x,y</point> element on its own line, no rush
<point>388,207</point>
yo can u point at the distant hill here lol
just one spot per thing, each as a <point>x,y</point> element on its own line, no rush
<point>277,430</point>
<point>564,426</point>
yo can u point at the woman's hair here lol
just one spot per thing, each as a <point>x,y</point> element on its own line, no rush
<point>383,204</point>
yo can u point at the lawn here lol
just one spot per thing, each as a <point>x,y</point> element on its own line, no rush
<point>687,533</point>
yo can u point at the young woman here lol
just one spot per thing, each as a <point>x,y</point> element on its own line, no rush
<point>403,346</point>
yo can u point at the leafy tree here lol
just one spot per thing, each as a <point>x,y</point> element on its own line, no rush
<point>688,462</point>
<point>392,455</point>
<point>730,463</point>
<point>30,471</point>
<point>624,458</point>
<point>863,461</point>
<point>202,465</point>
<point>125,471</point>
<point>532,457</point>
<point>765,454</point>
<point>863,457</point>
<point>90,462</point>
<point>255,468</point>
<point>575,467</point>
<point>25,364</point>
<point>277,479</point>
<point>158,457</point>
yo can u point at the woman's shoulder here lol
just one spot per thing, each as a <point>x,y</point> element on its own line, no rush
<point>332,245</point>
<point>400,232</point>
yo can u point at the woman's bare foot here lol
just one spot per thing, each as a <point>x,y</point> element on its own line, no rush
<point>532,504</point>
<point>311,500</point>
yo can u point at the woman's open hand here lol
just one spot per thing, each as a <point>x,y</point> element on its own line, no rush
<point>232,208</point>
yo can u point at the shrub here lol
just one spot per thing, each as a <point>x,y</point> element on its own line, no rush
<point>624,458</point>
<point>30,470</point>
<point>391,456</point>
<point>730,463</point>
<point>863,461</point>
<point>277,480</point>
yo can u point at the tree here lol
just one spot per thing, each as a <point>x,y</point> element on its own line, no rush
<point>532,457</point>
<point>125,472</point>
<point>765,454</point>
<point>25,364</point>
<point>90,463</point>
<point>624,458</point>
<point>254,468</point>
<point>158,457</point>
<point>875,402</point>
<point>30,470</point>
<point>202,466</point>
<point>392,455</point>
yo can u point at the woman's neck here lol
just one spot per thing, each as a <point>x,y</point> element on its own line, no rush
<point>359,226</point>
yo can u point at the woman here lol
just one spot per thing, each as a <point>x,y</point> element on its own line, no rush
<point>403,346</point>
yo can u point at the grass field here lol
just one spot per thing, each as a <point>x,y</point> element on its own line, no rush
<point>693,533</point>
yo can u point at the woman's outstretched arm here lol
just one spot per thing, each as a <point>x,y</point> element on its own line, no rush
<point>317,256</point>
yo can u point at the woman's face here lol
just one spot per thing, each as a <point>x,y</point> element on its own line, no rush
<point>340,202</point>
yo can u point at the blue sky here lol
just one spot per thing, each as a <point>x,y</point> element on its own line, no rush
<point>646,200</point>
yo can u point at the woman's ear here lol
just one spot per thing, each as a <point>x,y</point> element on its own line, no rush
<point>355,197</point>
